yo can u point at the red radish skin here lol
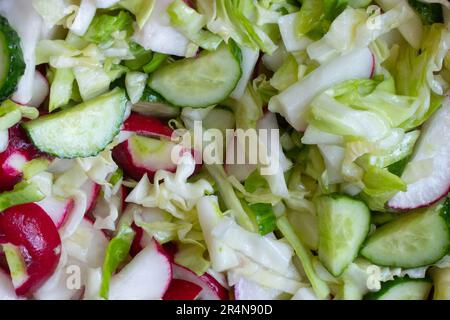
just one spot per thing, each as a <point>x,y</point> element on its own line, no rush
<point>182,290</point>
<point>33,231</point>
<point>92,189</point>
<point>124,194</point>
<point>123,157</point>
<point>18,145</point>
<point>171,250</point>
<point>374,66</point>
<point>136,245</point>
<point>57,210</point>
<point>211,288</point>
<point>140,241</point>
<point>3,262</point>
<point>190,3</point>
<point>147,126</point>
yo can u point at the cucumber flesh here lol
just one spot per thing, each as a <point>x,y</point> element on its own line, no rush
<point>80,131</point>
<point>12,65</point>
<point>414,240</point>
<point>343,226</point>
<point>403,289</point>
<point>199,82</point>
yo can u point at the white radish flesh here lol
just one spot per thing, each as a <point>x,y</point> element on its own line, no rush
<point>146,277</point>
<point>57,209</point>
<point>87,244</point>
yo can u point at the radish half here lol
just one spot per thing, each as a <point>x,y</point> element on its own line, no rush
<point>433,146</point>
<point>211,288</point>
<point>30,229</point>
<point>92,190</point>
<point>146,277</point>
<point>143,155</point>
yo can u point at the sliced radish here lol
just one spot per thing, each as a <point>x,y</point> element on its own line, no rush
<point>211,288</point>
<point>136,245</point>
<point>32,230</point>
<point>147,126</point>
<point>41,90</point>
<point>248,290</point>
<point>124,192</point>
<point>83,205</point>
<point>433,146</point>
<point>146,277</point>
<point>3,262</point>
<point>18,152</point>
<point>182,290</point>
<point>293,103</point>
<point>92,191</point>
<point>87,244</point>
<point>57,209</point>
<point>142,155</point>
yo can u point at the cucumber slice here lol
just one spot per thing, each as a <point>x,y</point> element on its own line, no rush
<point>403,289</point>
<point>199,82</point>
<point>414,240</point>
<point>343,226</point>
<point>12,66</point>
<point>80,131</point>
